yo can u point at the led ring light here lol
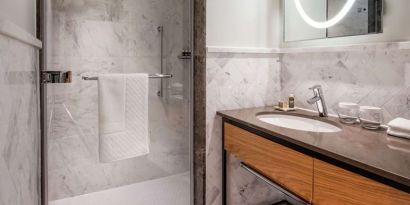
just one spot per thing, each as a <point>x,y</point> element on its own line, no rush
<point>325,24</point>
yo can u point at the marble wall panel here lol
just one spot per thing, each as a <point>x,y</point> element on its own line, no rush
<point>19,124</point>
<point>236,81</point>
<point>375,77</point>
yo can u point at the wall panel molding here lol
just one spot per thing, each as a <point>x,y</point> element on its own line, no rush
<point>403,45</point>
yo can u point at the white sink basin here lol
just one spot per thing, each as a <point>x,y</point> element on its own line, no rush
<point>298,123</point>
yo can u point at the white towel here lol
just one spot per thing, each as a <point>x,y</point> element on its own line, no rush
<point>400,125</point>
<point>123,116</point>
<point>398,133</point>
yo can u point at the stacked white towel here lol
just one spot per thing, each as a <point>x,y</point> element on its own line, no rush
<point>399,127</point>
<point>123,116</point>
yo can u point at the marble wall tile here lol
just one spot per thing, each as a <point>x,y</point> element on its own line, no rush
<point>120,36</point>
<point>374,77</point>
<point>236,81</point>
<point>19,124</point>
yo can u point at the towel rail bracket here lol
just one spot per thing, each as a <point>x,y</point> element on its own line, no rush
<point>47,77</point>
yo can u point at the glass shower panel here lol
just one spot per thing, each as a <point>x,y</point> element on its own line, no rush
<point>121,36</point>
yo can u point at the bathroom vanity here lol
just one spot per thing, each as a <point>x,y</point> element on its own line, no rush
<point>350,166</point>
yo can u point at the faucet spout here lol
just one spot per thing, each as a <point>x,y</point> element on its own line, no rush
<point>313,100</point>
<point>319,99</point>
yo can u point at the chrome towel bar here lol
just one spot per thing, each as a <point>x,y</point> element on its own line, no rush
<point>150,76</point>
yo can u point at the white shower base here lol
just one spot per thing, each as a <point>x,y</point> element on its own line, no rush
<point>172,190</point>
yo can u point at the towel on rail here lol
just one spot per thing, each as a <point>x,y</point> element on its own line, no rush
<point>123,116</point>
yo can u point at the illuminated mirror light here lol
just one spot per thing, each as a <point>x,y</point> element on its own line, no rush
<point>325,24</point>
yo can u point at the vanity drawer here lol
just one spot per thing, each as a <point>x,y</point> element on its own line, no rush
<point>337,186</point>
<point>288,168</point>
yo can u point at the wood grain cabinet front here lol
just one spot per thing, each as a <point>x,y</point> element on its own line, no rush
<point>337,186</point>
<point>287,167</point>
<point>313,180</point>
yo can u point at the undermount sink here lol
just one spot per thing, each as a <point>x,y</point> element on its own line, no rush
<point>298,123</point>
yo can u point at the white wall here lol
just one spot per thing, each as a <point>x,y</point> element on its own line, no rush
<point>243,23</point>
<point>395,28</point>
<point>20,12</point>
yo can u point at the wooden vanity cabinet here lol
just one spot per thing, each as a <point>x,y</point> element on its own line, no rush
<point>337,186</point>
<point>288,168</point>
<point>311,179</point>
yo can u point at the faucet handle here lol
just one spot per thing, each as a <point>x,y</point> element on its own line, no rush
<point>315,87</point>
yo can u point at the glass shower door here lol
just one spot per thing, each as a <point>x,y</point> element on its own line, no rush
<point>104,37</point>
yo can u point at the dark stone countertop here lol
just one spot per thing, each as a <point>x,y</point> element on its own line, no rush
<point>372,151</point>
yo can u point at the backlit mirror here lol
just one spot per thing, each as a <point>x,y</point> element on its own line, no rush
<point>319,19</point>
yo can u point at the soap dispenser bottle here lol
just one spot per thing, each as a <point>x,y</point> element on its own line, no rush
<point>291,101</point>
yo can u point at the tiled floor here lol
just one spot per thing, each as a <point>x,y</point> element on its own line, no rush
<point>172,190</point>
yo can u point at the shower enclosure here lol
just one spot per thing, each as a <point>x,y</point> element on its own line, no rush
<point>92,37</point>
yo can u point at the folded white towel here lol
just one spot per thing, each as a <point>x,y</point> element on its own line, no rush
<point>123,111</point>
<point>111,90</point>
<point>400,125</point>
<point>395,133</point>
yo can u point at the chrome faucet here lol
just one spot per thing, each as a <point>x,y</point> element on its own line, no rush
<point>319,100</point>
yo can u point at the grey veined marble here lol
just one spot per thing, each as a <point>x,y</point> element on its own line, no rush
<point>19,124</point>
<point>118,36</point>
<point>374,77</point>
<point>237,81</point>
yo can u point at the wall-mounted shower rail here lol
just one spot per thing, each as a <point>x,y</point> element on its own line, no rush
<point>161,31</point>
<point>161,76</point>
